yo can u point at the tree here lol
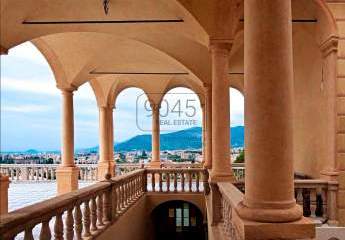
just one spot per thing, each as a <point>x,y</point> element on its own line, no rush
<point>240,157</point>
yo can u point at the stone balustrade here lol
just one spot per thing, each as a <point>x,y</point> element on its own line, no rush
<point>316,196</point>
<point>175,180</point>
<point>88,172</point>
<point>82,214</point>
<point>85,213</point>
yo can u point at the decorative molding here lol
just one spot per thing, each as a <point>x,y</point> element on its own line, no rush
<point>130,21</point>
<point>330,45</point>
<point>71,88</point>
<point>221,45</point>
<point>137,73</point>
<point>3,50</point>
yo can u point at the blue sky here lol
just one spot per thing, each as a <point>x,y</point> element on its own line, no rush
<point>31,107</point>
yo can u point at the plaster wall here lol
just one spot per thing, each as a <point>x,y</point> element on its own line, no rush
<point>309,103</point>
<point>136,224</point>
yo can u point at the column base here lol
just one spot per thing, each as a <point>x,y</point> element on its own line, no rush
<point>221,177</point>
<point>105,168</point>
<point>67,179</point>
<point>4,184</point>
<point>341,199</point>
<point>329,175</point>
<point>154,164</point>
<point>207,165</point>
<point>301,229</point>
<point>265,215</point>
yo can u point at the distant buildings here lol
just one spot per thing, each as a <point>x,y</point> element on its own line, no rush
<point>137,156</point>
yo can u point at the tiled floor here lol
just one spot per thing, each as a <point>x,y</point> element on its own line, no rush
<point>21,194</point>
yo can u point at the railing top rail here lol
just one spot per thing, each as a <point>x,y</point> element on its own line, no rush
<point>165,170</point>
<point>48,208</point>
<point>231,193</point>
<point>128,175</point>
<point>34,214</point>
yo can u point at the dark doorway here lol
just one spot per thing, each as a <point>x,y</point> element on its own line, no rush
<point>178,220</point>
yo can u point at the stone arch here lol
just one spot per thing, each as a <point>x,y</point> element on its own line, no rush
<point>195,200</point>
<point>95,58</point>
<point>41,9</point>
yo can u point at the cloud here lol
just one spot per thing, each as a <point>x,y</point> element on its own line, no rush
<point>29,108</point>
<point>27,51</point>
<point>37,86</point>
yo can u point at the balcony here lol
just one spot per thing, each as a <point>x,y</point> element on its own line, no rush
<point>108,208</point>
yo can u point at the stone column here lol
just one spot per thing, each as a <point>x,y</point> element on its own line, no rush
<point>221,165</point>
<point>203,140</point>
<point>329,77</point>
<point>268,79</point>
<point>4,184</point>
<point>208,116</point>
<point>155,161</point>
<point>67,172</point>
<point>106,158</point>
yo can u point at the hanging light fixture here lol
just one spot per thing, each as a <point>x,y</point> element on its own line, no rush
<point>106,6</point>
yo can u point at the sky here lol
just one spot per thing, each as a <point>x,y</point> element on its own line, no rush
<point>31,107</point>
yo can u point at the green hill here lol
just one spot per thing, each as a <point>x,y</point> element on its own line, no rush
<point>180,140</point>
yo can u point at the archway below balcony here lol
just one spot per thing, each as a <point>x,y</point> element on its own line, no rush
<point>178,219</point>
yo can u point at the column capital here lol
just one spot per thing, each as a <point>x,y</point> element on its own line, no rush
<point>67,89</point>
<point>329,45</point>
<point>221,45</point>
<point>155,106</point>
<point>106,107</point>
<point>3,50</point>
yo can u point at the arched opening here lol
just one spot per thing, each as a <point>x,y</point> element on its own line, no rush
<point>131,130</point>
<point>181,126</point>
<point>31,127</point>
<point>177,220</point>
<point>237,125</point>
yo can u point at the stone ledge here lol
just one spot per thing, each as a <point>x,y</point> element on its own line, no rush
<point>301,229</point>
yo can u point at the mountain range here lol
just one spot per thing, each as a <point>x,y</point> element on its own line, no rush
<point>181,140</point>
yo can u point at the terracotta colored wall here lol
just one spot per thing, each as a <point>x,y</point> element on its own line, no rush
<point>136,223</point>
<point>309,102</point>
<point>130,226</point>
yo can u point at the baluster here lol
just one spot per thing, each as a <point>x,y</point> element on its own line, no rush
<point>197,181</point>
<point>332,203</point>
<point>58,227</point>
<point>125,193</point>
<point>100,211</point>
<point>299,196</point>
<point>306,202</point>
<point>136,187</point>
<point>144,182</point>
<point>69,233</point>
<point>17,174</point>
<point>93,214</point>
<point>78,226</point>
<point>160,182</point>
<point>45,233</point>
<point>175,181</point>
<point>182,181</point>
<point>86,219</point>
<point>319,203</point>
<point>153,182</point>
<point>190,176</point>
<point>114,199</point>
<point>130,190</point>
<point>167,176</point>
<point>122,193</point>
<point>28,234</point>
<point>106,207</point>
